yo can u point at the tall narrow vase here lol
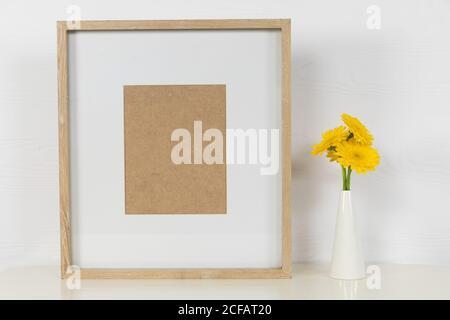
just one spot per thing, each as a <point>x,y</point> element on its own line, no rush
<point>347,262</point>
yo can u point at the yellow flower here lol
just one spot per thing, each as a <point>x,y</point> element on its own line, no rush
<point>329,139</point>
<point>358,130</point>
<point>332,155</point>
<point>361,158</point>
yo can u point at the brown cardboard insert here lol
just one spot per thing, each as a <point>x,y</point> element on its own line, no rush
<point>153,183</point>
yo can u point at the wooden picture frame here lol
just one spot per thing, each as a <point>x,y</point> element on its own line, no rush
<point>63,28</point>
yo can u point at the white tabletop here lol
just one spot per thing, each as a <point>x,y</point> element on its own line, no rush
<point>308,282</point>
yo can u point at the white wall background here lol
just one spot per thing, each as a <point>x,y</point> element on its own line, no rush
<point>396,79</point>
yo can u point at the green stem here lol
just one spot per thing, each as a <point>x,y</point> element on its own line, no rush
<point>344,178</point>
<point>349,173</point>
<point>346,174</point>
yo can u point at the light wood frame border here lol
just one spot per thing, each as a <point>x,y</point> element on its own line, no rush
<point>63,27</point>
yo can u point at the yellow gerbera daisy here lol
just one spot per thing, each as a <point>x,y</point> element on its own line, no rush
<point>361,158</point>
<point>359,132</point>
<point>332,155</point>
<point>330,138</point>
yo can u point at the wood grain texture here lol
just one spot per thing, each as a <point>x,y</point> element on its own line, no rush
<point>64,157</point>
<point>233,273</point>
<point>286,147</point>
<point>181,24</point>
<point>285,269</point>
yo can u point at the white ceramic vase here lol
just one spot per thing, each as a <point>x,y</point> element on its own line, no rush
<point>347,262</point>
